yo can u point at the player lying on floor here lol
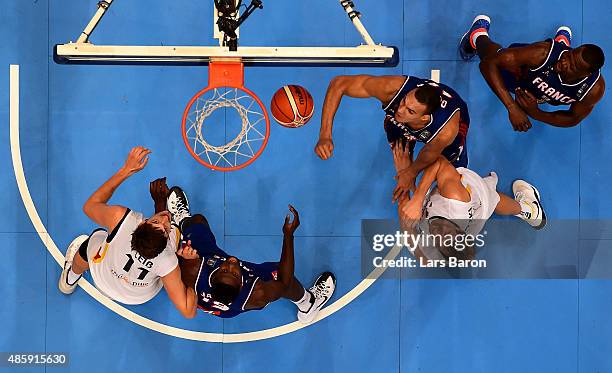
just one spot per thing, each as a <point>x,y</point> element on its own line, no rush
<point>132,262</point>
<point>460,203</point>
<point>547,71</point>
<point>227,286</point>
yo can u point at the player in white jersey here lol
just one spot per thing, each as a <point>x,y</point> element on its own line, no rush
<point>460,203</point>
<point>139,256</point>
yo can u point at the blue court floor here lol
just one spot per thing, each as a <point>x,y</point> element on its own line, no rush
<point>77,124</point>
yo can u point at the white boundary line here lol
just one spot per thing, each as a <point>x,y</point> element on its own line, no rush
<point>119,309</point>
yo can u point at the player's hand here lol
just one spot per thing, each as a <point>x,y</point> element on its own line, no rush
<point>136,160</point>
<point>526,101</point>
<point>324,148</point>
<point>402,159</point>
<point>186,251</point>
<point>405,184</point>
<point>410,211</point>
<point>290,226</point>
<point>518,118</point>
<point>159,189</point>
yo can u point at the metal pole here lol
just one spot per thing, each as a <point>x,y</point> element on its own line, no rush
<point>354,16</point>
<point>102,8</point>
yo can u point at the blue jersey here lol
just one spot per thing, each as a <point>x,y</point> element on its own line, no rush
<point>547,86</point>
<point>251,273</point>
<point>451,103</point>
<point>203,240</point>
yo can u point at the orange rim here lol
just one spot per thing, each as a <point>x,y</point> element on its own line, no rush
<point>207,164</point>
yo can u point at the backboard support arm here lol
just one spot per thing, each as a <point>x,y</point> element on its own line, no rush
<point>84,52</point>
<point>354,17</point>
<point>102,8</point>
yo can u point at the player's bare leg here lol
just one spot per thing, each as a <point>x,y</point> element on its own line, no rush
<point>526,204</point>
<point>79,265</point>
<point>507,205</point>
<point>485,47</point>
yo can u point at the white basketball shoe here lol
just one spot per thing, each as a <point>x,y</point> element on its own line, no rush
<point>531,208</point>
<point>63,284</point>
<point>323,289</point>
<point>178,205</point>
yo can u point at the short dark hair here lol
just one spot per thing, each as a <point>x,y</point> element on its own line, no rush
<point>148,241</point>
<point>429,96</point>
<point>224,293</point>
<point>593,55</point>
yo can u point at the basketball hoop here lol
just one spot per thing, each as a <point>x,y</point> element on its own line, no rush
<point>225,91</point>
<point>237,147</point>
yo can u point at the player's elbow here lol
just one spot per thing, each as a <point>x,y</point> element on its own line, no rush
<point>345,84</point>
<point>488,64</point>
<point>188,313</point>
<point>574,121</point>
<point>338,83</point>
<point>566,122</point>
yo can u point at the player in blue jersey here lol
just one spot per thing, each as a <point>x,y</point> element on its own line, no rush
<point>415,110</point>
<point>455,204</point>
<point>549,72</point>
<point>226,286</point>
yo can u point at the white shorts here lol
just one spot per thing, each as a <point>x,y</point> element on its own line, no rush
<point>484,189</point>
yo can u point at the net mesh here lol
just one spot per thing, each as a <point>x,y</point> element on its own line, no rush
<point>242,148</point>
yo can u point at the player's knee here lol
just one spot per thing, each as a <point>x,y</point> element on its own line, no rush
<point>199,219</point>
<point>483,63</point>
<point>441,160</point>
<point>195,219</point>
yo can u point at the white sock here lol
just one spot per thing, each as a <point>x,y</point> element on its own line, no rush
<point>72,277</point>
<point>525,207</point>
<point>305,302</point>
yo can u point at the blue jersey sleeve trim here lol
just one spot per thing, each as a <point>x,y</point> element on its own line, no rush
<point>397,93</point>
<point>443,125</point>
<point>592,85</point>
<point>250,292</point>
<point>552,46</point>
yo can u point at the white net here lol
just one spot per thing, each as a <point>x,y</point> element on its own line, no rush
<point>240,149</point>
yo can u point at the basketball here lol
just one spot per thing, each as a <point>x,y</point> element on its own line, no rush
<point>292,106</point>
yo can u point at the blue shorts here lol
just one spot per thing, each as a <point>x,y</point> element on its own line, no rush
<point>457,156</point>
<point>204,242</point>
<point>456,153</point>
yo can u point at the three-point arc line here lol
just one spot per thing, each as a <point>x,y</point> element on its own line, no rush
<point>121,310</point>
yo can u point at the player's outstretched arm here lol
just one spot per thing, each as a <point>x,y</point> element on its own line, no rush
<point>96,207</point>
<point>184,298</point>
<point>562,118</point>
<point>286,286</point>
<point>513,59</point>
<point>358,86</point>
